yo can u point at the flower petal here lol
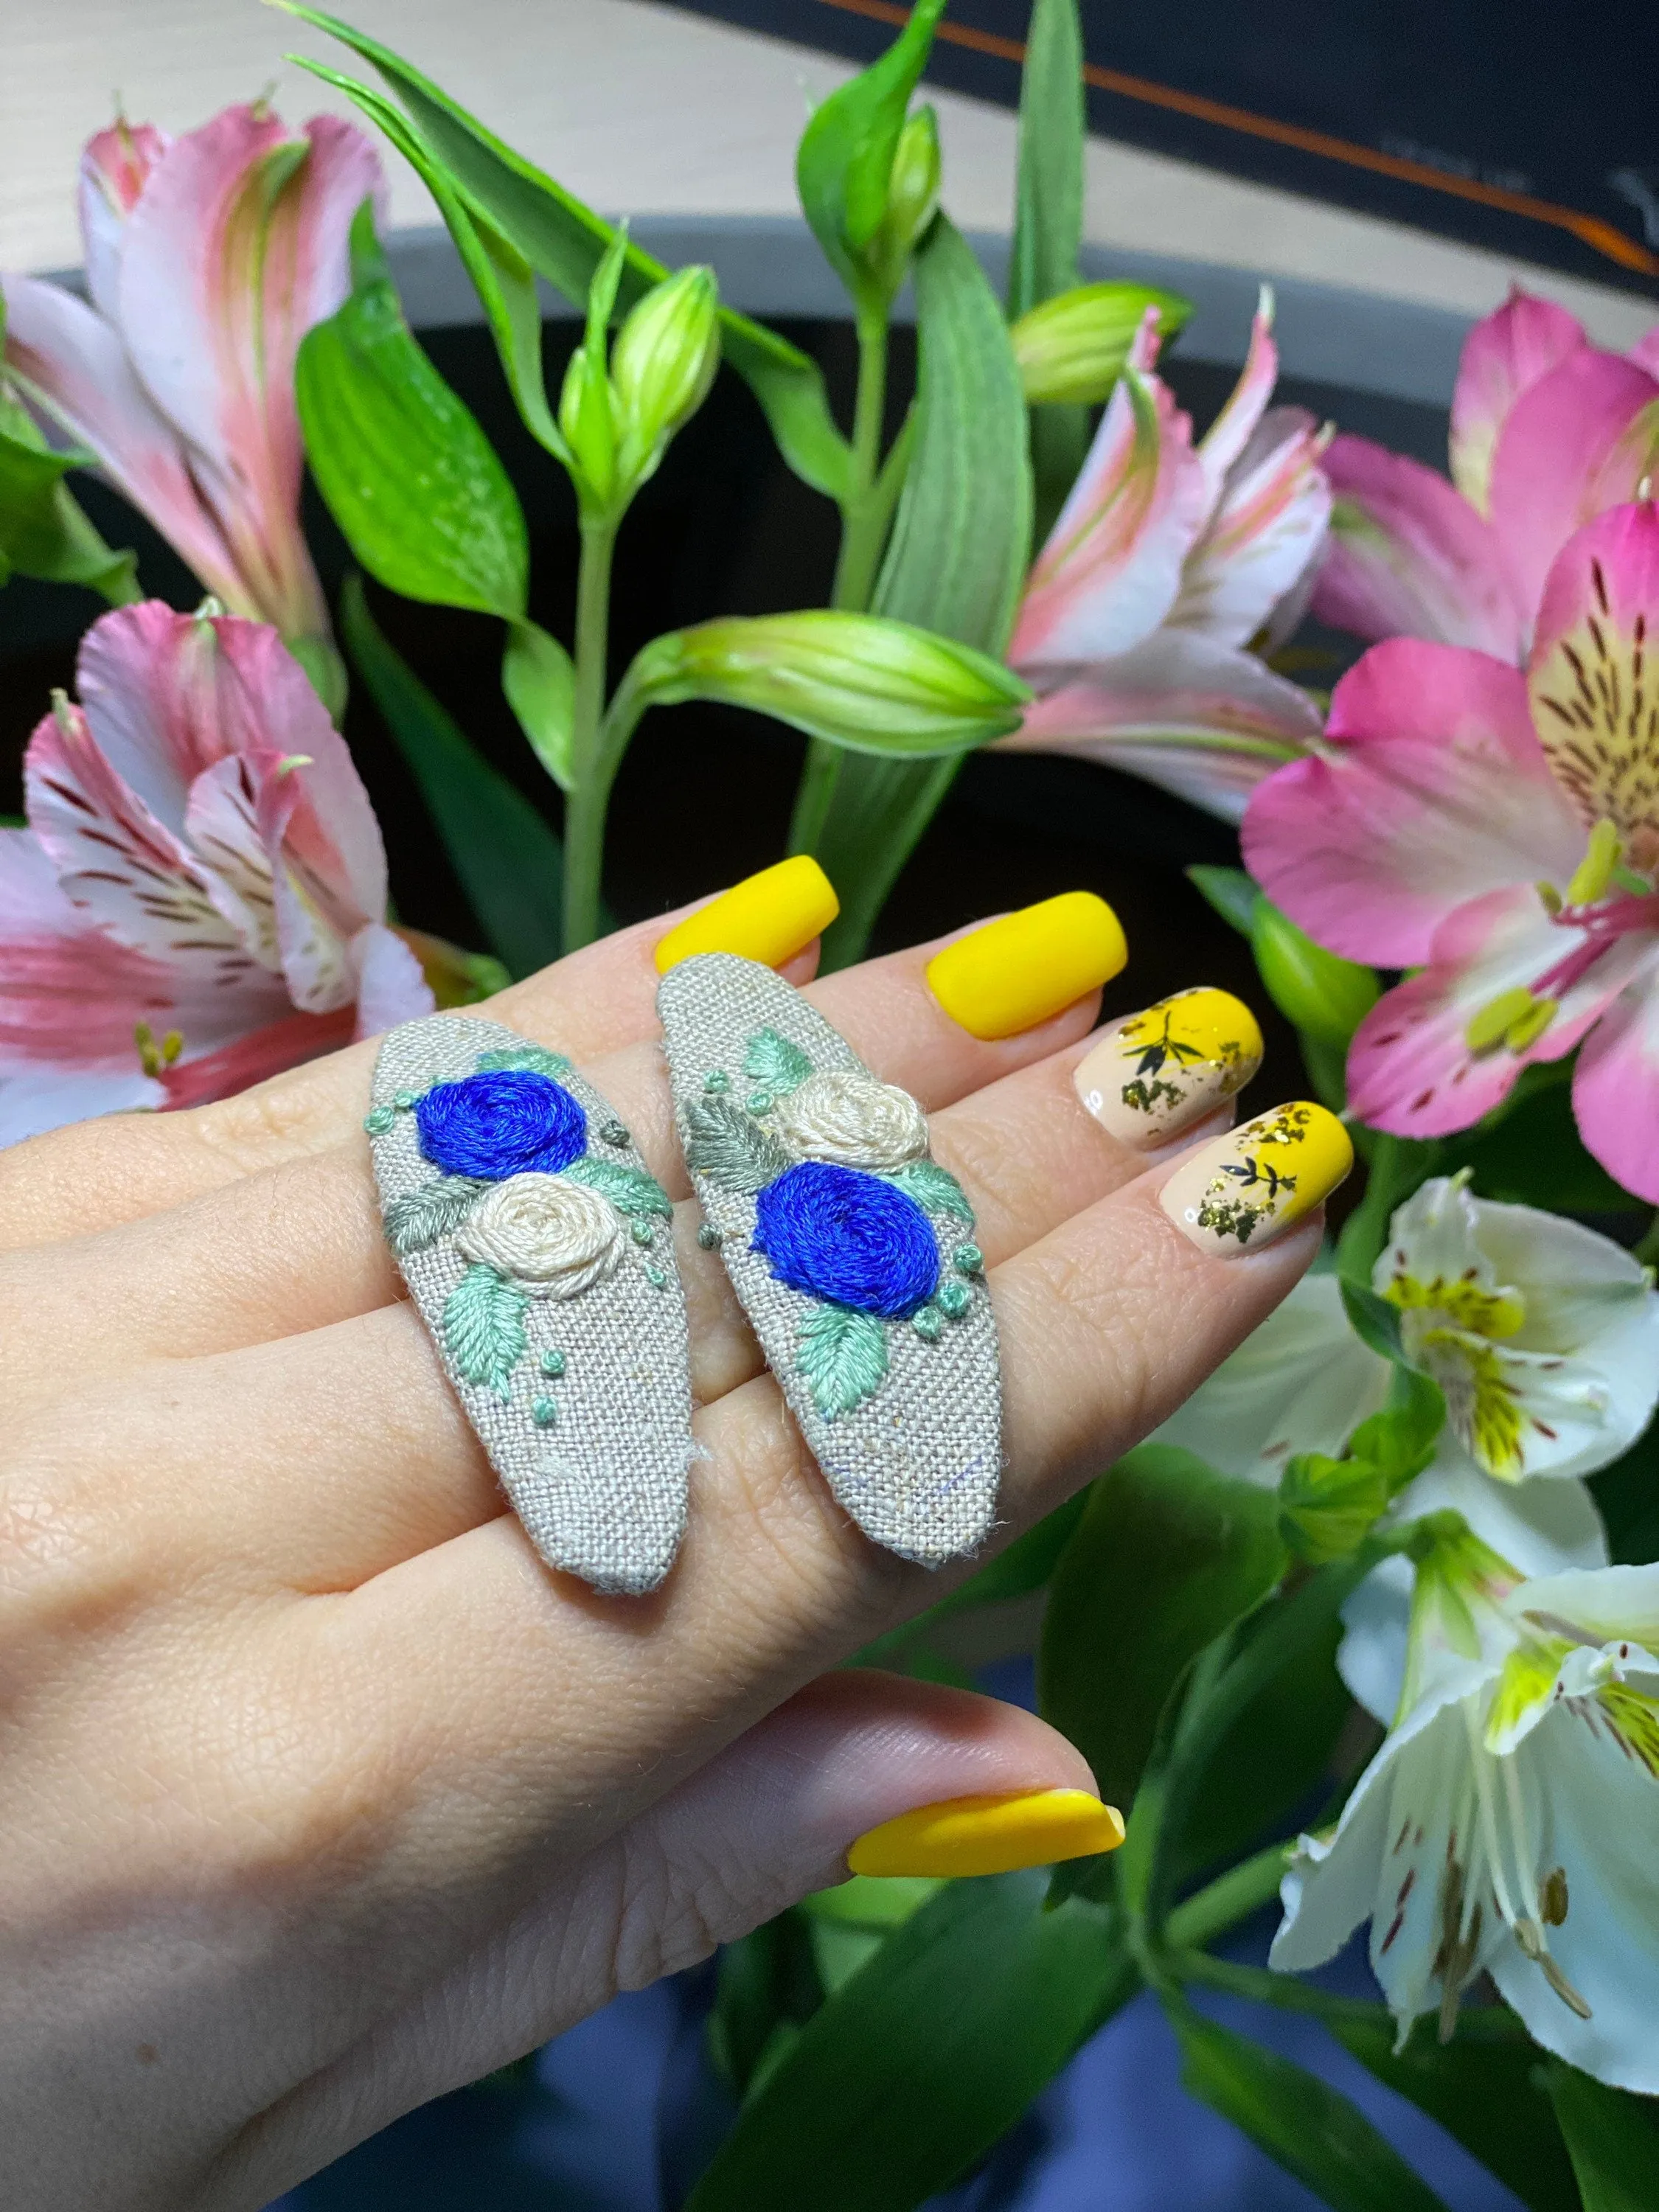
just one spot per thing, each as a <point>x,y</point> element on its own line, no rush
<point>1503,356</point>
<point>1411,1069</point>
<point>1593,678</point>
<point>254,1056</point>
<point>1301,1382</point>
<point>391,986</point>
<point>115,166</point>
<point>1198,718</point>
<point>1224,442</point>
<point>1267,527</point>
<point>1582,439</point>
<point>73,370</point>
<point>35,1100</point>
<point>1646,352</point>
<point>1615,1087</point>
<point>237,246</point>
<point>1408,557</point>
<point>1615,1605</point>
<point>1432,788</point>
<point>1111,569</point>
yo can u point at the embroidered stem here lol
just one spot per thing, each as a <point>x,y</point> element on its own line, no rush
<point>592,772</point>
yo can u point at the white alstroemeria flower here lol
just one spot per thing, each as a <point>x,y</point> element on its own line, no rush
<point>1507,1825</point>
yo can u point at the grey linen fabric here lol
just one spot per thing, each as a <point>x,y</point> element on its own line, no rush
<point>918,1464</point>
<point>603,1493</point>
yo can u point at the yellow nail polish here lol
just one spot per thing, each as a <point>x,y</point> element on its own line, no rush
<point>769,917</point>
<point>1249,1186</point>
<point>990,1835</point>
<point>1017,972</point>
<point>1157,1072</point>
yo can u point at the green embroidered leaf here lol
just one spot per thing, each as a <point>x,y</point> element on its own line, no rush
<point>423,1216</point>
<point>631,1190</point>
<point>775,1064</point>
<point>934,1188</point>
<point>730,1146</point>
<point>843,1357</point>
<point>483,1329</point>
<point>535,1057</point>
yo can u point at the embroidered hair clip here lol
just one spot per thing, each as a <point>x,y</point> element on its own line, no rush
<point>540,1251</point>
<point>852,1251</point>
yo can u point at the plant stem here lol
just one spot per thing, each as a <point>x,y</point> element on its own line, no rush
<point>1397,1166</point>
<point>1232,1897</point>
<point>864,517</point>
<point>1648,1250</point>
<point>590,774</point>
<point>1263,1986</point>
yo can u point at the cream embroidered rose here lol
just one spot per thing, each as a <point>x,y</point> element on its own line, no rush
<point>852,1120</point>
<point>553,1237</point>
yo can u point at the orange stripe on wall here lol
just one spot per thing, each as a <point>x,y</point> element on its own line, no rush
<point>1604,238</point>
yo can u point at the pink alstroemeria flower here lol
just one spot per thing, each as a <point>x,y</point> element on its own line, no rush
<point>1547,431</point>
<point>1166,563</point>
<point>200,900</point>
<point>1498,829</point>
<point>207,258</point>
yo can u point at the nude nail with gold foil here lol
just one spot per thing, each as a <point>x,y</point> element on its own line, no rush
<point>1155,1073</point>
<point>1249,1186</point>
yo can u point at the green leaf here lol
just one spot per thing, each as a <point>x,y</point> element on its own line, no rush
<point>509,859</point>
<point>1322,994</point>
<point>1309,2128</point>
<point>843,1357</point>
<point>774,1063</point>
<point>553,233</point>
<point>920,2062</point>
<point>956,564</point>
<point>730,1146</point>
<point>1374,1319</point>
<point>1168,1555</point>
<point>1049,225</point>
<point>1530,1152</point>
<point>43,531</point>
<point>535,1057</point>
<point>407,473</point>
<point>421,1217</point>
<point>1231,892</point>
<point>483,1329</point>
<point>539,679</point>
<point>631,1190</point>
<point>1612,2139</point>
<point>1484,2090</point>
<point>767,1979</point>
<point>846,154</point>
<point>933,1188</point>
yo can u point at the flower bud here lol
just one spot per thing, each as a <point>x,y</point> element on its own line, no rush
<point>662,366</point>
<point>1325,996</point>
<point>861,681</point>
<point>1329,1506</point>
<point>1073,347</point>
<point>913,185</point>
<point>588,420</point>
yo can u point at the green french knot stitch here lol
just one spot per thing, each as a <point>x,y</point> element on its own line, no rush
<point>723,1143</point>
<point>402,1100</point>
<point>716,1080</point>
<point>933,1188</point>
<point>614,1133</point>
<point>379,1120</point>
<point>552,1363</point>
<point>929,1322</point>
<point>953,1300</point>
<point>483,1329</point>
<point>657,1278</point>
<point>633,1192</point>
<point>969,1258</point>
<point>843,1357</point>
<point>421,1217</point>
<point>644,1231</point>
<point>534,1057</point>
<point>543,1412</point>
<point>774,1064</point>
<point>709,1237</point>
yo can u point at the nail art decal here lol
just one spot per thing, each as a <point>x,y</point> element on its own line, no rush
<point>1252,1184</point>
<point>851,1249</point>
<point>1159,1072</point>
<point>539,1251</point>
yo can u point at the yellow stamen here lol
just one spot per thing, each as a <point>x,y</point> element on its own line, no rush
<point>1594,873</point>
<point>1532,1024</point>
<point>1550,898</point>
<point>1492,1024</point>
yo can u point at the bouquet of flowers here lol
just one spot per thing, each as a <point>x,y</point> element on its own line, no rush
<point>1371,1627</point>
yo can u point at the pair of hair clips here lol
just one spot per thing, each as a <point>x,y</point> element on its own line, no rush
<point>540,1249</point>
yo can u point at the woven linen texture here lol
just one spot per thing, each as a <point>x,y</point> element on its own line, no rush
<point>602,1492</point>
<point>918,1463</point>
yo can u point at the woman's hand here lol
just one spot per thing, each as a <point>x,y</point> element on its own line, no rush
<point>323,1795</point>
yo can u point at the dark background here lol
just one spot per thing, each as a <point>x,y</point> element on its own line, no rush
<point>1531,97</point>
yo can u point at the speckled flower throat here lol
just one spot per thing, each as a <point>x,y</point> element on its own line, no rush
<point>852,1251</point>
<point>540,1251</point>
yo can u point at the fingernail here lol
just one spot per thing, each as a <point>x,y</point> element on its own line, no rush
<point>1249,1186</point>
<point>1020,970</point>
<point>1157,1072</point>
<point>990,1835</point>
<point>768,917</point>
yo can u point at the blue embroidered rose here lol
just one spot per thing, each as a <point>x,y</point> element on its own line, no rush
<point>838,1234</point>
<point>504,1122</point>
